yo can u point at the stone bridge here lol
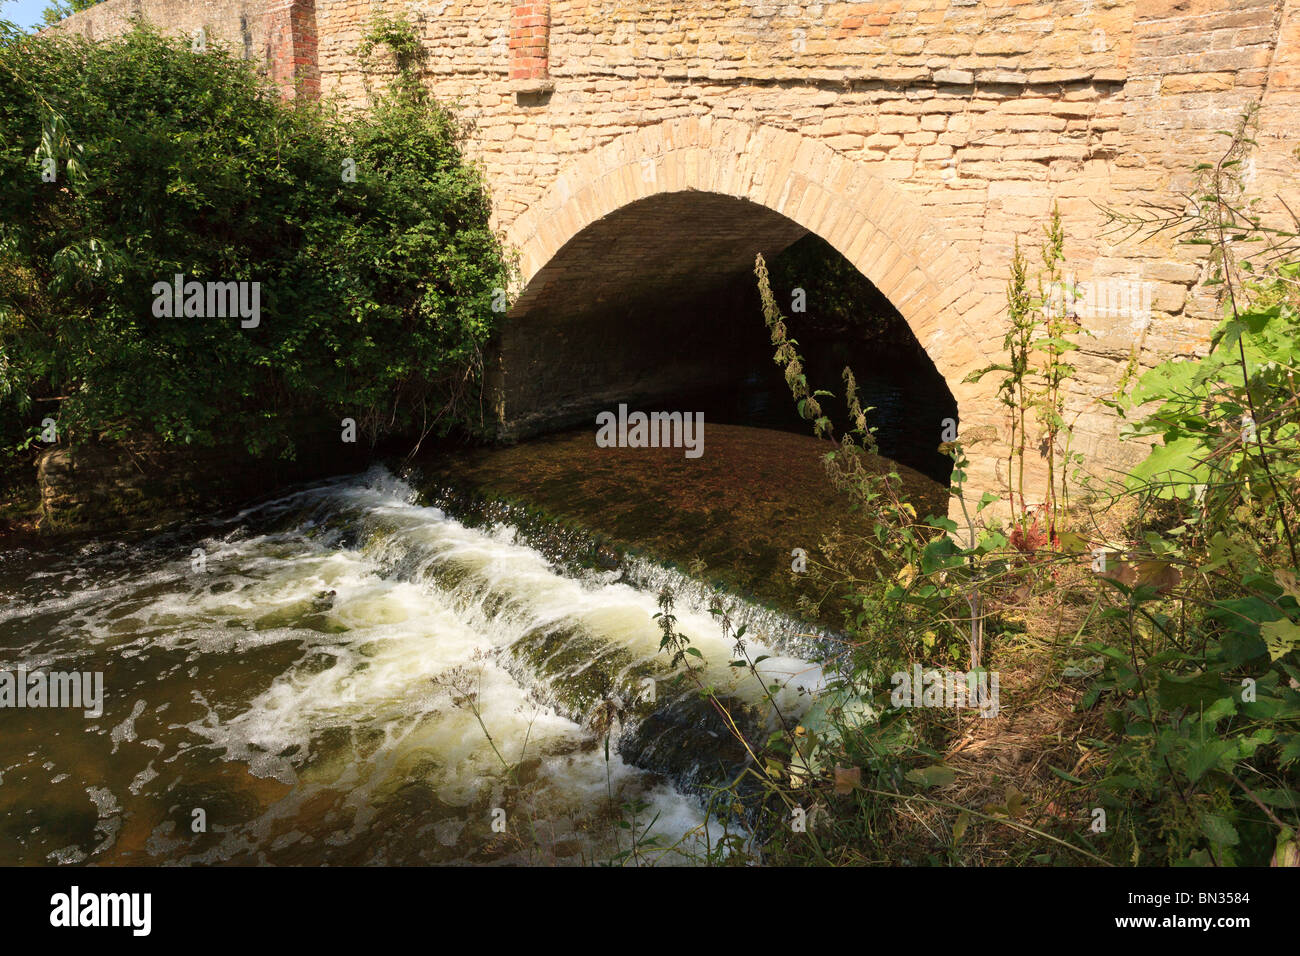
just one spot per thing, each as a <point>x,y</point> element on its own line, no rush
<point>639,152</point>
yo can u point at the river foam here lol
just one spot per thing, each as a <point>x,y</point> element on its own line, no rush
<point>350,676</point>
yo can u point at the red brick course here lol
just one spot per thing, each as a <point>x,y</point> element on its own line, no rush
<point>291,48</point>
<point>530,41</point>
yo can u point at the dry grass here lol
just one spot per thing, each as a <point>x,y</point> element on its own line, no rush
<point>1004,764</point>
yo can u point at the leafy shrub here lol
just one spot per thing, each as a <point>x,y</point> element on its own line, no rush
<point>376,294</point>
<point>1205,690</point>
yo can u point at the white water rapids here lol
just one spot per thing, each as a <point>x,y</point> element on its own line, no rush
<point>348,679</point>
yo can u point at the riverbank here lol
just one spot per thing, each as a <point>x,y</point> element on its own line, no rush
<point>113,488</point>
<point>19,509</point>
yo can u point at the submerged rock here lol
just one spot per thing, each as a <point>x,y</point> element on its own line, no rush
<point>689,742</point>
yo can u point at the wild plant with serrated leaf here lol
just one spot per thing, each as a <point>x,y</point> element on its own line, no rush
<point>1203,691</point>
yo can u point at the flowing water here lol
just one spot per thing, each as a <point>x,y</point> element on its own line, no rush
<point>460,666</point>
<point>344,675</point>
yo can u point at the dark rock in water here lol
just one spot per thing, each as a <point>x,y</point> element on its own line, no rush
<point>606,557</point>
<point>324,600</point>
<point>689,742</point>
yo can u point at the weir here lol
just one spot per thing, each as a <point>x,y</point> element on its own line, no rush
<point>651,430</point>
<point>452,668</point>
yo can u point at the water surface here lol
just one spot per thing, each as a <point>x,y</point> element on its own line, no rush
<point>317,690</point>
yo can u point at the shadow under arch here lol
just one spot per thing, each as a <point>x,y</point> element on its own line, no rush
<point>735,189</point>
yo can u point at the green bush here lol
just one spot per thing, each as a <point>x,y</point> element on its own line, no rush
<point>1203,695</point>
<point>376,289</point>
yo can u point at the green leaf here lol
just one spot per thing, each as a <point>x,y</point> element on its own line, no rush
<point>1073,542</point>
<point>1015,801</point>
<point>959,827</point>
<point>1219,831</point>
<point>1223,707</point>
<point>1172,470</point>
<point>944,524</point>
<point>1063,775</point>
<point>939,554</point>
<point>1286,799</point>
<point>1196,693</point>
<point>933,776</point>
<point>1202,758</point>
<point>1281,636</point>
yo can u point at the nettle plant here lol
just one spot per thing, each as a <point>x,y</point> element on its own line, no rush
<point>1036,376</point>
<point>1204,688</point>
<point>920,588</point>
<point>939,571</point>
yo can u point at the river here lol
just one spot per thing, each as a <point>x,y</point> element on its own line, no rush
<point>456,661</point>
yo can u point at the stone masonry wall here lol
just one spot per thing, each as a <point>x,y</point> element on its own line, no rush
<point>277,35</point>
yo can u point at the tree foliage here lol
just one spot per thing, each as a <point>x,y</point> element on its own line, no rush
<point>376,288</point>
<point>59,10</point>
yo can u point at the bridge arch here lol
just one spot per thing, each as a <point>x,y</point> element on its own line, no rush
<point>876,226</point>
<point>872,223</point>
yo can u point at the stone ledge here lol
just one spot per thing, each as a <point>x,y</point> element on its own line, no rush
<point>532,86</point>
